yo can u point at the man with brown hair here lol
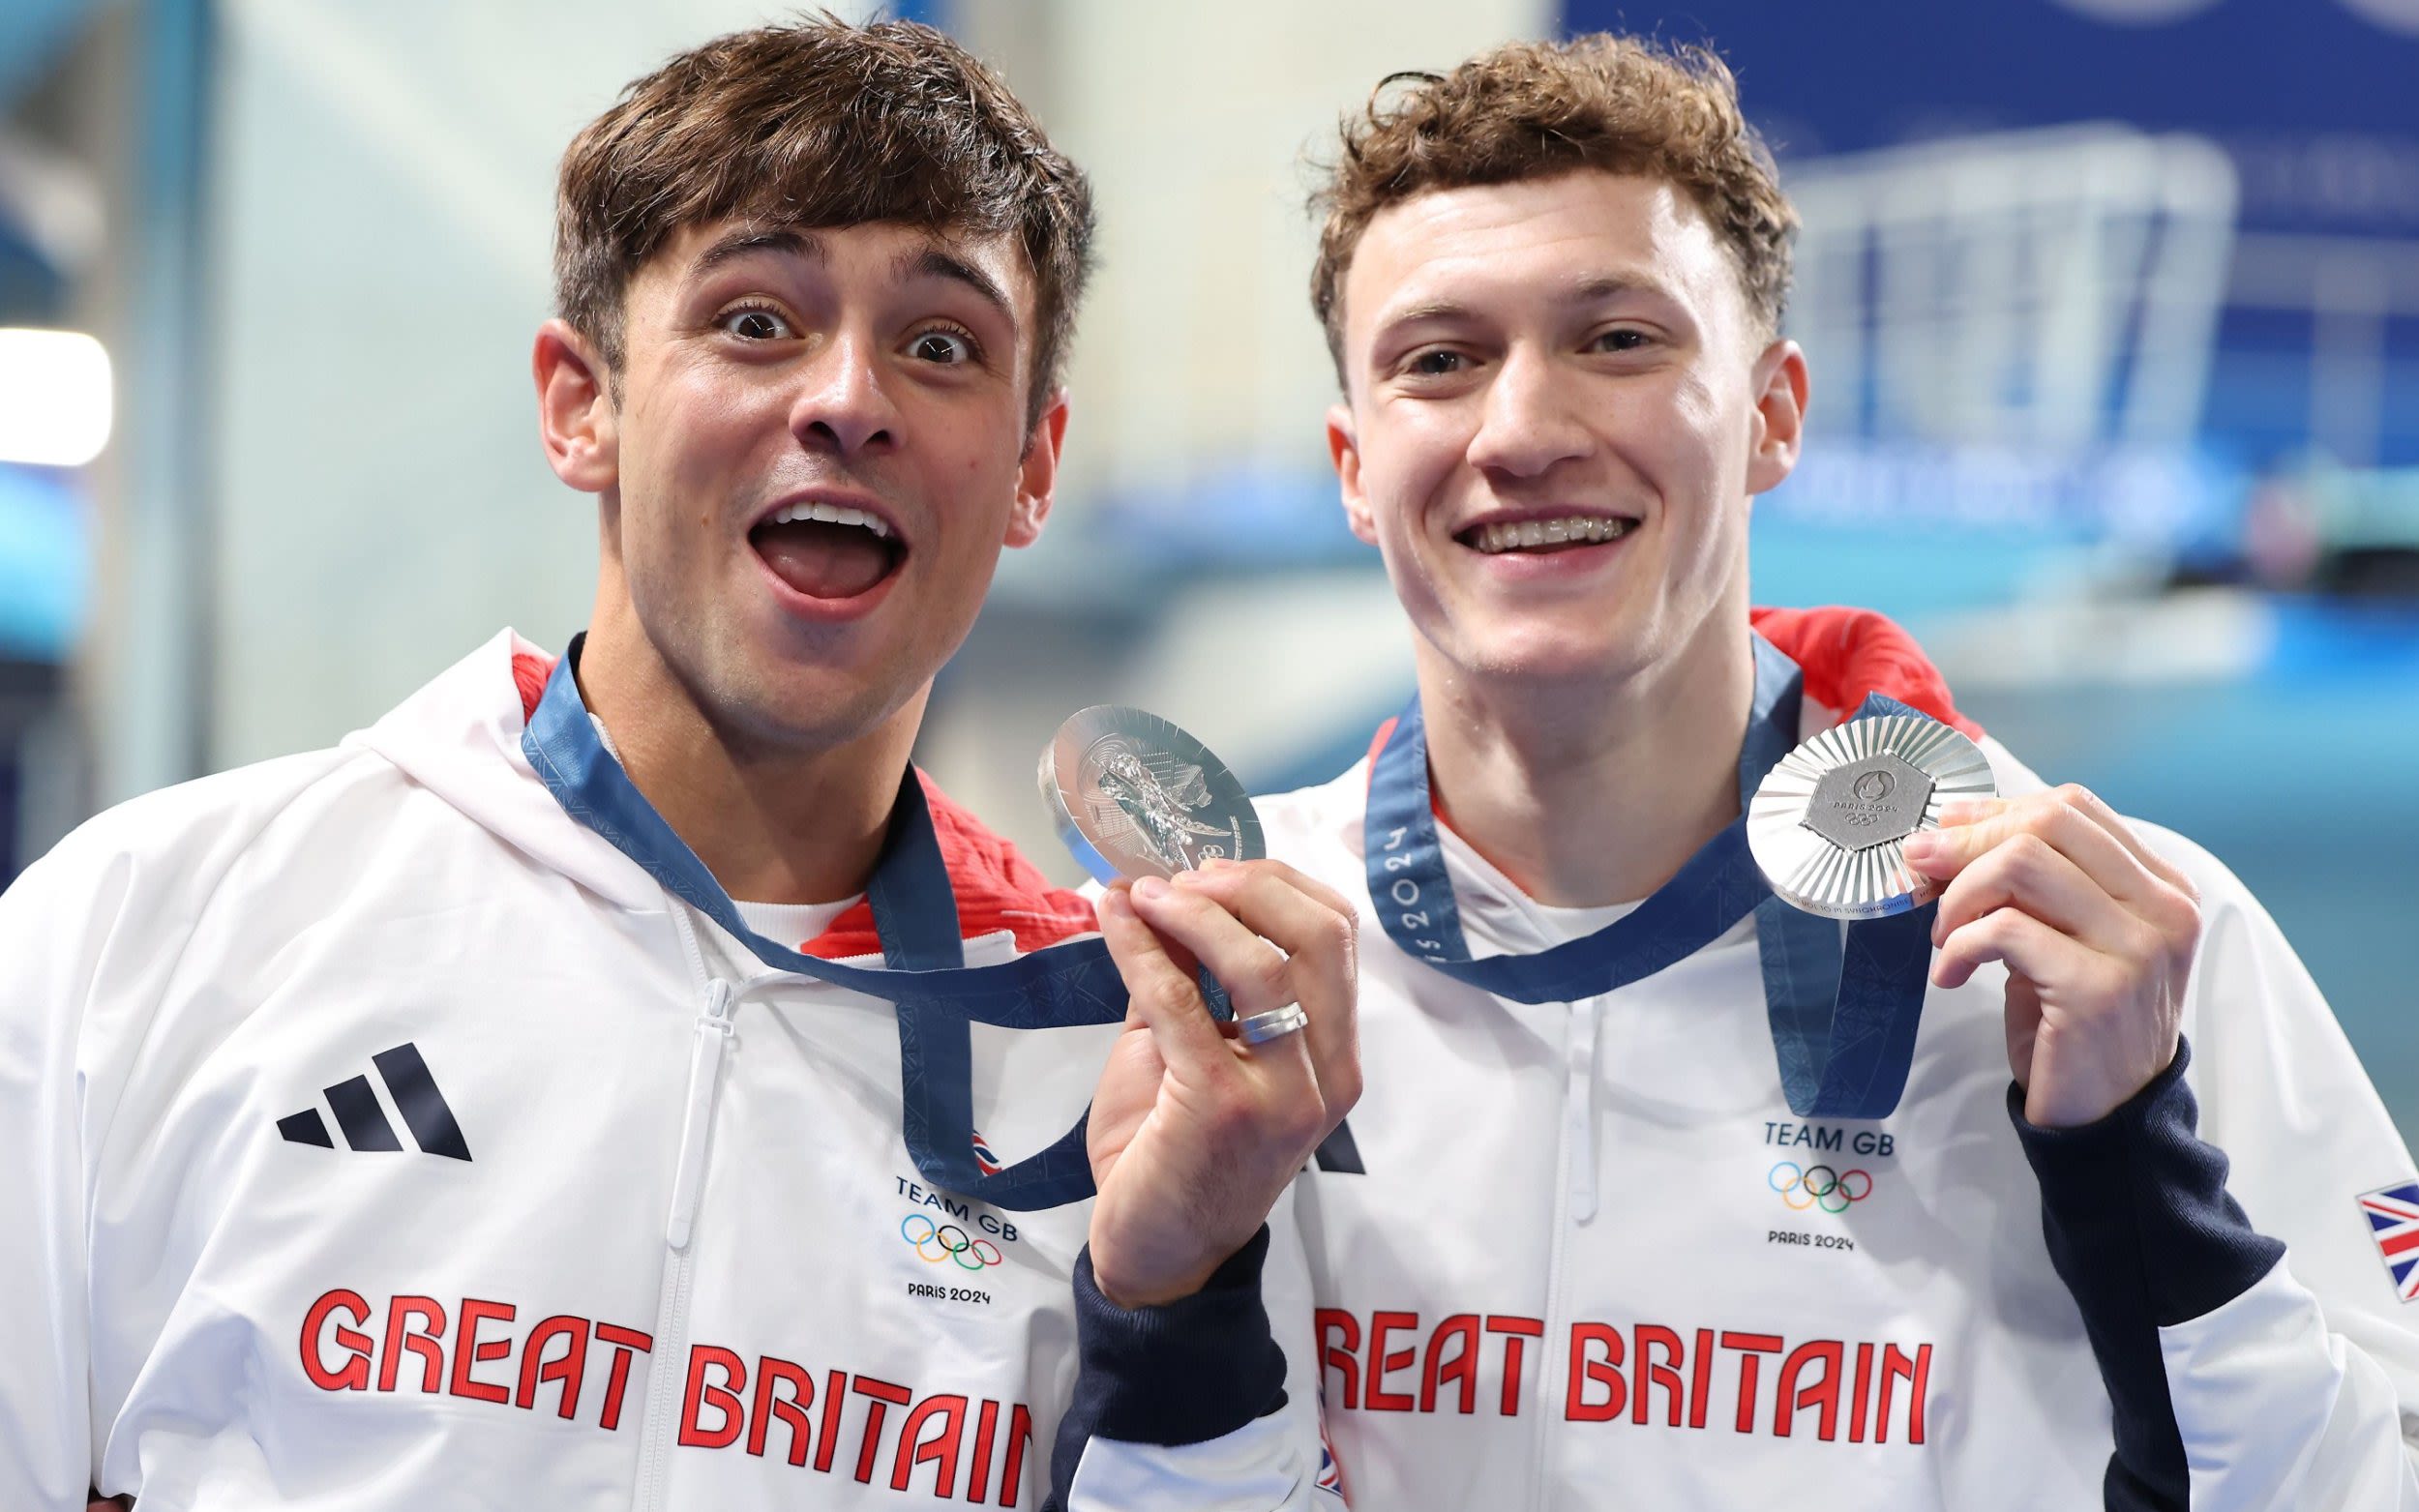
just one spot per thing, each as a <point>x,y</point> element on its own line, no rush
<point>1638,1216</point>
<point>597,1084</point>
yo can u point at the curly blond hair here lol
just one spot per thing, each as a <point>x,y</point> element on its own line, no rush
<point>1536,109</point>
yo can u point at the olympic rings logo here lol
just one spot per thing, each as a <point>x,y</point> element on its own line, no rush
<point>1819,1186</point>
<point>940,1242</point>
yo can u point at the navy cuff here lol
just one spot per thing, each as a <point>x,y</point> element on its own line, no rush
<point>2142,1232</point>
<point>1184,1371</point>
<point>2141,1186</point>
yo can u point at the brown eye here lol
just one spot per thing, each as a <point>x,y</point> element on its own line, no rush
<point>753,324</point>
<point>946,349</point>
<point>1436,364</point>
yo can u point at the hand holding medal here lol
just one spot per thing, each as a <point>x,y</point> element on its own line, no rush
<point>2098,933</point>
<point>1880,815</point>
<point>1198,1126</point>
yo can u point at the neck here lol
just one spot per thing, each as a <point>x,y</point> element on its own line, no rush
<point>1595,793</point>
<point>774,823</point>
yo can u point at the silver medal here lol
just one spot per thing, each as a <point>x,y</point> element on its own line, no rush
<point>1829,823</point>
<point>1135,797</point>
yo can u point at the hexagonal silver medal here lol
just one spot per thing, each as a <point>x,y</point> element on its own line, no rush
<point>1830,822</point>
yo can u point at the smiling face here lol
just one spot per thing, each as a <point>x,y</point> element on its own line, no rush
<point>1556,407</point>
<point>815,453</point>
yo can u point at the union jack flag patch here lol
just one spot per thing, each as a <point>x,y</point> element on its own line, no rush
<point>2392,1214</point>
<point>984,1160</point>
<point>1330,1468</point>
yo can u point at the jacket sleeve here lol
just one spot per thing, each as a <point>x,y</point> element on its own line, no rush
<point>2243,1305</point>
<point>1206,1405</point>
<point>47,1455</point>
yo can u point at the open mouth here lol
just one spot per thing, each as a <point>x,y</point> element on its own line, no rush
<point>1536,536</point>
<point>827,550</point>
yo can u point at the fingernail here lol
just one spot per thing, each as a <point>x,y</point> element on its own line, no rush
<point>1215,862</point>
<point>1114,901</point>
<point>1150,889</point>
<point>1922,847</point>
<point>1959,811</point>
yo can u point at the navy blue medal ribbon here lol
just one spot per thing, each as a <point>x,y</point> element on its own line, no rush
<point>916,916</point>
<point>1843,1014</point>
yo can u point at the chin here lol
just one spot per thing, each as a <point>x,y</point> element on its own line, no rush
<point>812,706</point>
<point>1555,661</point>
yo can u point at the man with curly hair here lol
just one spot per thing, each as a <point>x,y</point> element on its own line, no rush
<point>1635,1214</point>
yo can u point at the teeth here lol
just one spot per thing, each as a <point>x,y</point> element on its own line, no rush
<point>1528,534</point>
<point>831,513</point>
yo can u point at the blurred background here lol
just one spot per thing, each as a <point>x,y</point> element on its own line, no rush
<point>2112,308</point>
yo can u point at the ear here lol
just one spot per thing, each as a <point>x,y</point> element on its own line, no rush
<point>1344,450</point>
<point>1779,420</point>
<point>575,416</point>
<point>1037,474</point>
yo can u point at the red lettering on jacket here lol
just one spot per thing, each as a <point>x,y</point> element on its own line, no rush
<point>1701,1380</point>
<point>354,1374</point>
<point>1013,1471</point>
<point>1915,1372</point>
<point>728,1400</point>
<point>1595,1352</point>
<point>732,1412</point>
<point>931,1432</point>
<point>1342,1355</point>
<point>1379,1398</point>
<point>978,1475</point>
<point>1824,1393</point>
<point>1856,1400</point>
<point>1750,1346</point>
<point>1646,1374</point>
<point>1461,1367</point>
<point>563,1369</point>
<point>625,1342</point>
<point>1514,1329</point>
<point>835,1401</point>
<point>469,1351</point>
<point>400,1336</point>
<point>790,1411</point>
<point>879,1396</point>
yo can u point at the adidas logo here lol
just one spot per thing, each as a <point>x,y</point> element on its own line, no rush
<point>356,1104</point>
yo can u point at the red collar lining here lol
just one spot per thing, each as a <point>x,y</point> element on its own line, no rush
<point>996,888</point>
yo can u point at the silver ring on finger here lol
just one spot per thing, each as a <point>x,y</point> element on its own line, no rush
<point>1276,1024</point>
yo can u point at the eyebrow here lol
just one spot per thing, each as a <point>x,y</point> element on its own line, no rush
<point>1591,290</point>
<point>740,244</point>
<point>922,263</point>
<point>932,263</point>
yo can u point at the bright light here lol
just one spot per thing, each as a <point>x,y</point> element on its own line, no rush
<point>54,397</point>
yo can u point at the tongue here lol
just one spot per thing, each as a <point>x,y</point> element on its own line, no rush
<point>824,561</point>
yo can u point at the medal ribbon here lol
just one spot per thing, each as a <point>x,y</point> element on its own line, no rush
<point>915,915</point>
<point>1843,1014</point>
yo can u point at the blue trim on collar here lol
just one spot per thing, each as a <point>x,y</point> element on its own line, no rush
<point>914,915</point>
<point>1843,1014</point>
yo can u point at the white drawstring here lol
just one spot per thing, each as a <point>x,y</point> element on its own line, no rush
<point>706,1065</point>
<point>1579,1105</point>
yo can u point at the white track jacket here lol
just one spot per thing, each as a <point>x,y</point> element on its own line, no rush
<point>374,1135</point>
<point>1593,1260</point>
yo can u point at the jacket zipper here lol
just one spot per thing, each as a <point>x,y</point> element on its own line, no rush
<point>1574,1203</point>
<point>668,1356</point>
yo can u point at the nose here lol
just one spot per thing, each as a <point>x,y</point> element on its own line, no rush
<point>841,406</point>
<point>1526,422</point>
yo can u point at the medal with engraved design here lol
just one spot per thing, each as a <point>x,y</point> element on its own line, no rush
<point>1135,797</point>
<point>1829,824</point>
